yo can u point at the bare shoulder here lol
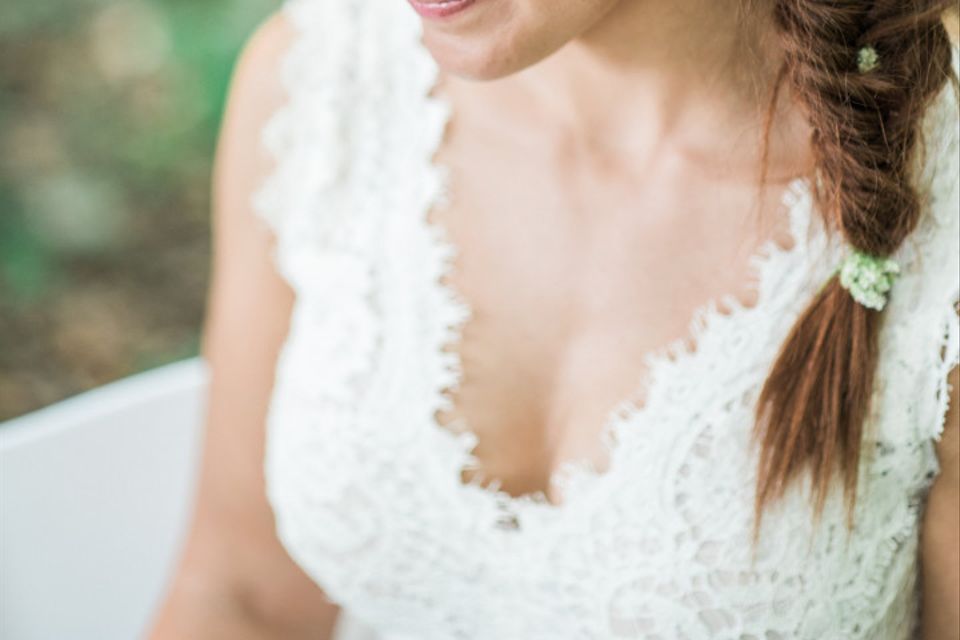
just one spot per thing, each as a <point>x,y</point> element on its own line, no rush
<point>256,93</point>
<point>257,83</point>
<point>242,260</point>
<point>948,444</point>
<point>269,39</point>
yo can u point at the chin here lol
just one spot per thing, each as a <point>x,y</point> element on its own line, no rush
<point>478,56</point>
<point>491,39</point>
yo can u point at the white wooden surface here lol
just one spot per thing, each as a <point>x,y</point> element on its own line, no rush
<point>95,494</point>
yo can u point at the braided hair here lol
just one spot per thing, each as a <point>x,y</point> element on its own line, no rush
<point>865,125</point>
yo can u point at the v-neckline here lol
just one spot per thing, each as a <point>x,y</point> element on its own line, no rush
<point>574,478</point>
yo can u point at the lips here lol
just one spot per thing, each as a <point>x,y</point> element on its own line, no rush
<point>439,8</point>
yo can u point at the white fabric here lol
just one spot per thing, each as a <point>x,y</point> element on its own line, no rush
<point>366,486</point>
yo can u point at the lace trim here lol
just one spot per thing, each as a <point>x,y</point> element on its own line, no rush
<point>935,253</point>
<point>709,325</point>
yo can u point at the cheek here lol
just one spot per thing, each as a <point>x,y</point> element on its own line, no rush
<point>505,36</point>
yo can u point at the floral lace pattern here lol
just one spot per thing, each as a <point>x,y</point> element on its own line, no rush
<point>366,486</point>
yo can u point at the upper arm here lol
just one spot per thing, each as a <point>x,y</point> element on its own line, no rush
<point>948,444</point>
<point>941,529</point>
<point>233,539</point>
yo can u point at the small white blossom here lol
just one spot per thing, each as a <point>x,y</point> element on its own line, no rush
<point>867,59</point>
<point>868,278</point>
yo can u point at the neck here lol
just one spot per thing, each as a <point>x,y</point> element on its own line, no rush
<point>695,75</point>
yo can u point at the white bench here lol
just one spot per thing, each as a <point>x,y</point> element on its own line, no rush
<point>95,495</point>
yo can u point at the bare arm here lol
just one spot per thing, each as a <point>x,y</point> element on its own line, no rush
<point>940,536</point>
<point>234,579</point>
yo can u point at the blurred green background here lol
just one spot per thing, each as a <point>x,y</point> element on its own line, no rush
<point>109,111</point>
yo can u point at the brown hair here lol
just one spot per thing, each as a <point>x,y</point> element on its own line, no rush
<point>865,132</point>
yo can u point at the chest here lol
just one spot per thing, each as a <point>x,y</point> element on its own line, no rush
<point>574,268</point>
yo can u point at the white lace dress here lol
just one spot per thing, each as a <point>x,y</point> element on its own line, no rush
<point>366,486</point>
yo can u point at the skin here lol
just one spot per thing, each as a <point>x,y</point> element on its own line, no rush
<point>598,126</point>
<point>940,532</point>
<point>623,138</point>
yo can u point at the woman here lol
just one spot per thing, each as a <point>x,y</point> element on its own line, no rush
<point>599,319</point>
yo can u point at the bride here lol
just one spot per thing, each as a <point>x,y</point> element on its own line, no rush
<point>583,319</point>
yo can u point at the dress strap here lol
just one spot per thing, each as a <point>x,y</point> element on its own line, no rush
<point>921,334</point>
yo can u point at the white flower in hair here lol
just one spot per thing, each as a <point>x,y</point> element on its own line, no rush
<point>867,59</point>
<point>868,278</point>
